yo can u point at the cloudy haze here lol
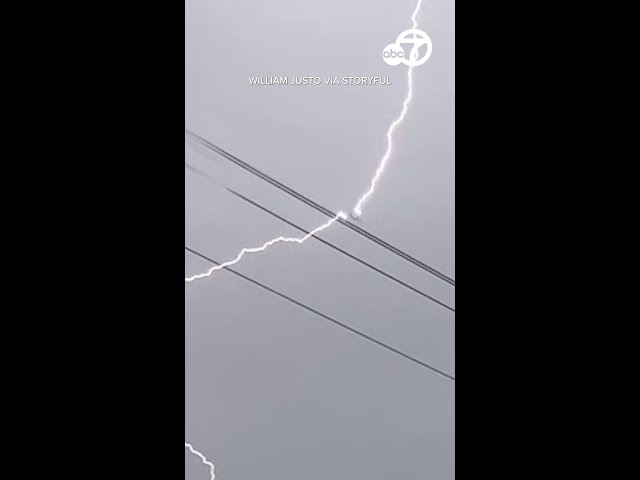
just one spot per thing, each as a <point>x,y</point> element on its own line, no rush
<point>272,391</point>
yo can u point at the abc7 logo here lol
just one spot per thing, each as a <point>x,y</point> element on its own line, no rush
<point>394,53</point>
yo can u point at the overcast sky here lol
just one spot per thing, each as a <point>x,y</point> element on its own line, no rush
<point>272,391</point>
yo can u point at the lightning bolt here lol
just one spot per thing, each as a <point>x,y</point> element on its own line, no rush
<point>203,459</point>
<point>357,210</point>
<point>208,273</point>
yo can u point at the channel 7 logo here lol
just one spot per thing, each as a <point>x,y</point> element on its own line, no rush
<point>394,53</point>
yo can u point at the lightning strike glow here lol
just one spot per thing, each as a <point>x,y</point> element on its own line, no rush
<point>266,245</point>
<point>357,210</point>
<point>203,459</point>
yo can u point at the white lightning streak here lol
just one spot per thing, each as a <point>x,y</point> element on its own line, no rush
<point>357,210</point>
<point>212,468</point>
<point>266,245</point>
<point>387,154</point>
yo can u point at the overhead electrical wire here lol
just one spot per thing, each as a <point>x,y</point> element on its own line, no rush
<point>324,316</point>
<point>344,252</point>
<point>261,207</point>
<point>325,211</point>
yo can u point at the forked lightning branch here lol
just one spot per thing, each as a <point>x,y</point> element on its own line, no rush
<point>412,36</point>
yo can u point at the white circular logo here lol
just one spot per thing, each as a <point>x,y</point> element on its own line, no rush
<point>394,53</point>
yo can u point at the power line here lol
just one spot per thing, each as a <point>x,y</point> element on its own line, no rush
<point>324,316</point>
<point>325,242</point>
<point>338,249</point>
<point>319,208</point>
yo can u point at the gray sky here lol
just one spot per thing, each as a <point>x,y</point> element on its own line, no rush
<point>273,392</point>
